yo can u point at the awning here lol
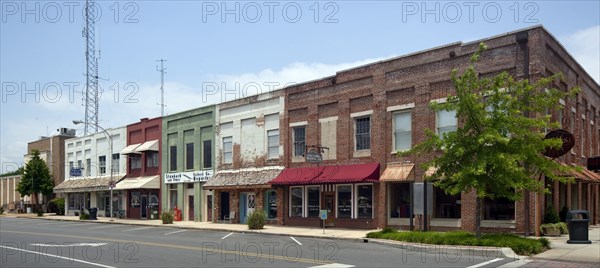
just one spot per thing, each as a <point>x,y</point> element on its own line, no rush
<point>243,178</point>
<point>328,174</point>
<point>592,176</point>
<point>131,149</point>
<point>148,182</point>
<point>85,184</point>
<point>148,146</point>
<point>399,172</point>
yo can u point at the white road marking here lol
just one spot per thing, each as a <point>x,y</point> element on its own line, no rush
<point>333,265</point>
<point>174,232</point>
<point>226,236</point>
<point>136,229</point>
<point>59,257</point>
<point>71,245</point>
<point>76,224</point>
<point>485,263</point>
<point>50,223</point>
<point>103,226</point>
<point>296,240</point>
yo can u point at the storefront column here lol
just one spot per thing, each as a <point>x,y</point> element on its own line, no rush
<point>198,196</point>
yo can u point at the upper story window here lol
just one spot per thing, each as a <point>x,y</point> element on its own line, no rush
<point>189,156</point>
<point>273,143</point>
<point>102,164</point>
<point>207,153</point>
<point>362,133</point>
<point>227,150</point>
<point>445,122</point>
<point>299,140</point>
<point>135,162</point>
<point>402,130</point>
<point>173,158</point>
<point>115,162</point>
<point>151,159</point>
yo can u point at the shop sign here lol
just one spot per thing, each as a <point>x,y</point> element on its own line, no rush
<point>194,176</point>
<point>153,201</point>
<point>568,141</point>
<point>75,172</point>
<point>313,156</point>
<point>135,199</point>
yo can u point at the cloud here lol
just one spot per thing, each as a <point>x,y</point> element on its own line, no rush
<point>584,45</point>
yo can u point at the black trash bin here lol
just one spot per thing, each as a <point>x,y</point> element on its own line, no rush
<point>578,222</point>
<point>93,213</point>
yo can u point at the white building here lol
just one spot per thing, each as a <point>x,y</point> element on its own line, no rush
<point>88,172</point>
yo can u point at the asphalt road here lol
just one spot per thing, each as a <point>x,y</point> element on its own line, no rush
<point>41,243</point>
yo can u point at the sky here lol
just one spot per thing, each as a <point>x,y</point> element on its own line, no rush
<point>218,51</point>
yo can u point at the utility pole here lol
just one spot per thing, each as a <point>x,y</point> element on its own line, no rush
<point>162,86</point>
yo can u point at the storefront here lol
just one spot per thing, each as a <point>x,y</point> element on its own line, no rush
<point>185,193</point>
<point>142,197</point>
<point>82,194</point>
<point>347,192</point>
<point>238,193</point>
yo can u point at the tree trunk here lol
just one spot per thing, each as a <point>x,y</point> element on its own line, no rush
<point>478,217</point>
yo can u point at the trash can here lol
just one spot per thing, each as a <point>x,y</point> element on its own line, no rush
<point>93,213</point>
<point>578,222</point>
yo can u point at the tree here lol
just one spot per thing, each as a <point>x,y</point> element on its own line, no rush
<point>19,171</point>
<point>36,178</point>
<point>497,150</point>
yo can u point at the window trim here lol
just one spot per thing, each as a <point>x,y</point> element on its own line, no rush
<point>355,210</point>
<point>337,200</point>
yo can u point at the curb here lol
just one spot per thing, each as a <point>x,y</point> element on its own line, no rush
<point>451,250</point>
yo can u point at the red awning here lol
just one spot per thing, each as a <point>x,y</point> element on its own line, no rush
<point>328,174</point>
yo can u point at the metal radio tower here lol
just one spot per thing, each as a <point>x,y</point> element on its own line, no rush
<point>91,77</point>
<point>162,86</point>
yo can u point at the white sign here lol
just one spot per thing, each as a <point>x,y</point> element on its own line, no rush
<point>194,176</point>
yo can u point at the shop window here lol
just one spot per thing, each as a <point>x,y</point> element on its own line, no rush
<point>296,202</point>
<point>364,201</point>
<point>344,201</point>
<point>446,122</point>
<point>102,164</point>
<point>207,153</point>
<point>271,204</point>
<point>189,156</point>
<point>399,200</point>
<point>313,200</point>
<point>362,133</point>
<point>273,143</point>
<point>151,159</point>
<point>100,197</point>
<point>402,131</point>
<point>227,150</point>
<point>498,209</point>
<point>446,205</point>
<point>299,140</point>
<point>173,158</point>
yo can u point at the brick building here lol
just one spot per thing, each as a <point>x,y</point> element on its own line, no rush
<point>365,114</point>
<point>248,157</point>
<point>142,179</point>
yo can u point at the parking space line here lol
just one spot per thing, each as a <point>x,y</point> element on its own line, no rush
<point>50,223</point>
<point>174,232</point>
<point>76,224</point>
<point>136,229</point>
<point>71,259</point>
<point>296,240</point>
<point>103,226</point>
<point>226,236</point>
<point>485,263</point>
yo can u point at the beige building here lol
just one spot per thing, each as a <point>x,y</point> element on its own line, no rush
<point>10,199</point>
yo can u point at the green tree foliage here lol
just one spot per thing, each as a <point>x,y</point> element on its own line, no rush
<point>497,149</point>
<point>36,177</point>
<point>19,171</point>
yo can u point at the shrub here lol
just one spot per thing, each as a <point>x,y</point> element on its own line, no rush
<point>256,220</point>
<point>57,205</point>
<point>563,227</point>
<point>40,212</point>
<point>1,210</point>
<point>167,217</point>
<point>84,216</point>
<point>387,230</point>
<point>550,215</point>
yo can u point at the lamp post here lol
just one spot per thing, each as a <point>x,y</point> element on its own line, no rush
<point>110,144</point>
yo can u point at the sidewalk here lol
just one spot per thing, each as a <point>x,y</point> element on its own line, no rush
<point>573,252</point>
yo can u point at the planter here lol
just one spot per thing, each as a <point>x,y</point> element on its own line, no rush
<point>550,230</point>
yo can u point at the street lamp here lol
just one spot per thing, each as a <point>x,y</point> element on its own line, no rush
<point>110,144</point>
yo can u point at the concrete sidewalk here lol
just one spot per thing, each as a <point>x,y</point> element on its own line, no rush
<point>574,252</point>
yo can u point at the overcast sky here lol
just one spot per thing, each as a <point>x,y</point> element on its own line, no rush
<point>222,50</point>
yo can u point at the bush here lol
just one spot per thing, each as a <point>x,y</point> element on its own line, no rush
<point>57,205</point>
<point>256,220</point>
<point>1,210</point>
<point>563,227</point>
<point>550,215</point>
<point>40,212</point>
<point>520,245</point>
<point>84,216</point>
<point>167,217</point>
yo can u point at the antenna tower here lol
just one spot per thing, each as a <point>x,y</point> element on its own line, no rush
<point>91,77</point>
<point>162,86</point>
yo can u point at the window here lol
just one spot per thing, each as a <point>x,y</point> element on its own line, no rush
<point>362,133</point>
<point>115,162</point>
<point>344,201</point>
<point>296,196</point>
<point>100,203</point>
<point>399,200</point>
<point>582,136</point>
<point>173,158</point>
<point>102,164</point>
<point>364,201</point>
<point>173,196</point>
<point>189,156</point>
<point>151,159</point>
<point>227,150</point>
<point>446,205</point>
<point>446,122</point>
<point>498,209</point>
<point>207,153</point>
<point>135,162</point>
<point>79,164</point>
<point>271,204</point>
<point>88,165</point>
<point>572,128</point>
<point>402,131</point>
<point>299,140</point>
<point>273,143</point>
<point>312,196</point>
<point>71,166</point>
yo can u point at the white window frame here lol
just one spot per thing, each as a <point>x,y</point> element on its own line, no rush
<point>437,121</point>
<point>394,114</point>
<point>101,165</point>
<point>337,203</point>
<point>268,145</point>
<point>303,202</point>
<point>355,210</point>
<point>230,140</point>
<point>356,133</point>
<point>306,198</point>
